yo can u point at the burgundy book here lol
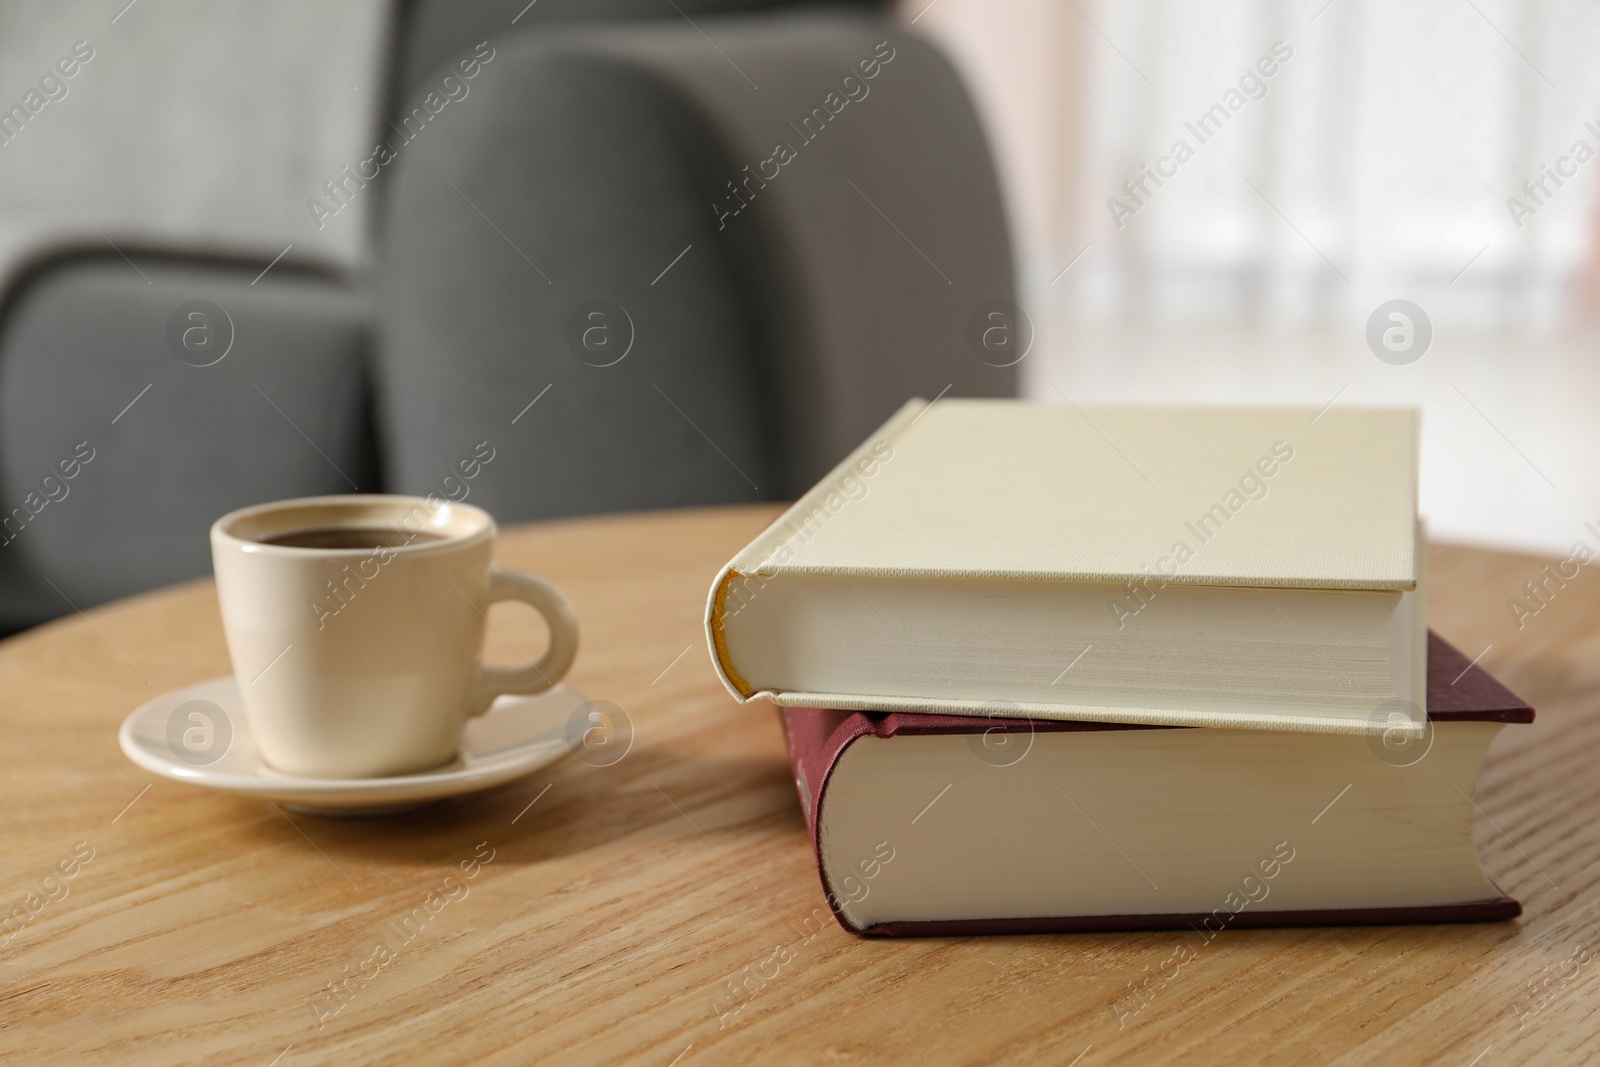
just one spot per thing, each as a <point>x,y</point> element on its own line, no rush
<point>931,825</point>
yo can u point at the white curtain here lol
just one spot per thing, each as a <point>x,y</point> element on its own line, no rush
<point>1376,161</point>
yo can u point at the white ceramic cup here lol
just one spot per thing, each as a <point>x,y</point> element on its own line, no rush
<point>364,662</point>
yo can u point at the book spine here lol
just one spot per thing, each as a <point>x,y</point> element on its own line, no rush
<point>716,639</point>
<point>816,738</point>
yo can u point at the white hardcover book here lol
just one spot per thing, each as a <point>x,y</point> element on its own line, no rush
<point>1237,567</point>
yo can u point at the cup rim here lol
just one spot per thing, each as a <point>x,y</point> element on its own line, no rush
<point>223,530</point>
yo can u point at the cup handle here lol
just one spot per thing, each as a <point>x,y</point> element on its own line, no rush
<point>548,601</point>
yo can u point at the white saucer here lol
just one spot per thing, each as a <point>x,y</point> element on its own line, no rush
<point>517,736</point>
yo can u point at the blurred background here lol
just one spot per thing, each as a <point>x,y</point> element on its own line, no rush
<point>1385,159</point>
<point>561,258</point>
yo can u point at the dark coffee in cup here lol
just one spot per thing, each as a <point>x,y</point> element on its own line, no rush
<point>351,537</point>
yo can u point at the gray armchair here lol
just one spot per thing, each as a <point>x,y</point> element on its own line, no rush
<point>644,262</point>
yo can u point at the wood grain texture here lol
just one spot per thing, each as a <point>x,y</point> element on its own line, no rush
<point>620,909</point>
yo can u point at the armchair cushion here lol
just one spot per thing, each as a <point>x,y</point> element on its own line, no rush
<point>159,444</point>
<point>599,164</point>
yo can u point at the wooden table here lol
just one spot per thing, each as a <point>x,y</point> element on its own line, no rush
<point>617,909</point>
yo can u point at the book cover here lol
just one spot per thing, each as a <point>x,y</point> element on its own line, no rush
<point>1007,489</point>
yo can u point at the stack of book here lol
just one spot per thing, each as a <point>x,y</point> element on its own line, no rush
<point>1047,669</point>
